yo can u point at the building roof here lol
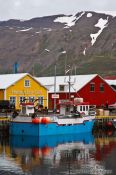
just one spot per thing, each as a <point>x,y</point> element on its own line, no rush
<point>111,82</point>
<point>77,82</point>
<point>112,77</point>
<point>6,80</point>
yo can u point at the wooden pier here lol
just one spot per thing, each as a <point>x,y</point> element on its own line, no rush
<point>105,122</point>
<point>4,125</point>
<point>105,117</point>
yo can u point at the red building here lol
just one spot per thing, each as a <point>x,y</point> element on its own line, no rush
<point>98,92</point>
<point>92,88</point>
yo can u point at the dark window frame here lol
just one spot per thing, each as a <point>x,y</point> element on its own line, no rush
<point>27,83</point>
<point>61,87</point>
<point>92,87</point>
<point>101,87</point>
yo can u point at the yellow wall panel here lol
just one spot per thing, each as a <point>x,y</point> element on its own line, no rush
<point>1,94</point>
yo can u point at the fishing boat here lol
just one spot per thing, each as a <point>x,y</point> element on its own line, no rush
<point>29,123</point>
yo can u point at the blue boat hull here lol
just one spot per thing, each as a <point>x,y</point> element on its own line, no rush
<point>31,129</point>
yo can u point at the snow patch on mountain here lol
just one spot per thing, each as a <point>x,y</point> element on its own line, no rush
<point>102,23</point>
<point>84,51</point>
<point>25,30</point>
<point>89,15</point>
<point>69,21</point>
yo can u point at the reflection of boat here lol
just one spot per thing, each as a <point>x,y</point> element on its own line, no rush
<point>49,141</point>
<point>74,123</point>
<point>52,148</point>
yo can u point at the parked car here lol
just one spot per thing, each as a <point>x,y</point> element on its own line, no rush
<point>6,106</point>
<point>112,107</point>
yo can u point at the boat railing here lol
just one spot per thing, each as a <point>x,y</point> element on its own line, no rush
<point>92,113</point>
<point>92,110</point>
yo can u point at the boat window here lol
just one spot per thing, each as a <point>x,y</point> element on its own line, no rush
<point>101,87</point>
<point>92,87</point>
<point>80,108</point>
<point>83,108</point>
<point>86,108</point>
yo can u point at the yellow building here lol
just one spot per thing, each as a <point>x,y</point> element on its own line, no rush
<point>16,87</point>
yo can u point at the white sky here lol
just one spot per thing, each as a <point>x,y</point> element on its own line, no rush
<point>26,9</point>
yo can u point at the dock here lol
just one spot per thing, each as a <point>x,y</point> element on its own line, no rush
<point>4,125</point>
<point>105,117</point>
<point>105,122</point>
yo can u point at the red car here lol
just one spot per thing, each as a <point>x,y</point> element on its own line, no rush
<point>112,107</point>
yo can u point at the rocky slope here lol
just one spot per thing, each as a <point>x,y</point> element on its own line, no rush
<point>85,41</point>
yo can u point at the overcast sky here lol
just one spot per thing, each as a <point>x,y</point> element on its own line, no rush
<point>26,9</point>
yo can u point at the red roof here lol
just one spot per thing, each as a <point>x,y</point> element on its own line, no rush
<point>83,103</point>
<point>25,104</point>
<point>113,77</point>
<point>73,103</point>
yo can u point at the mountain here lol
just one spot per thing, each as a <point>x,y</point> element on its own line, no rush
<point>85,41</point>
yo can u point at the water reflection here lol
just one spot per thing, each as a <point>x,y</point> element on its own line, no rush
<point>63,154</point>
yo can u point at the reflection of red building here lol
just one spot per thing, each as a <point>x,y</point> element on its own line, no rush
<point>92,88</point>
<point>104,146</point>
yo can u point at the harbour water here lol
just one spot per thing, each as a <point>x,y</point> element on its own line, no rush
<point>59,155</point>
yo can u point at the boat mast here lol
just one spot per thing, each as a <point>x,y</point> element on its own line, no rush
<point>69,84</point>
<point>55,88</point>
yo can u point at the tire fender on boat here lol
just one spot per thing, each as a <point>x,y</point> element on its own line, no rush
<point>45,120</point>
<point>36,120</point>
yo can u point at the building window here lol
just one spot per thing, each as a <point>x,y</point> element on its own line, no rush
<point>31,99</point>
<point>92,87</point>
<point>67,109</point>
<point>40,100</point>
<point>22,99</point>
<point>27,83</point>
<point>61,87</point>
<point>101,87</point>
<point>13,100</point>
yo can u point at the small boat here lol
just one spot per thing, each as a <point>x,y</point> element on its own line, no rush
<point>29,123</point>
